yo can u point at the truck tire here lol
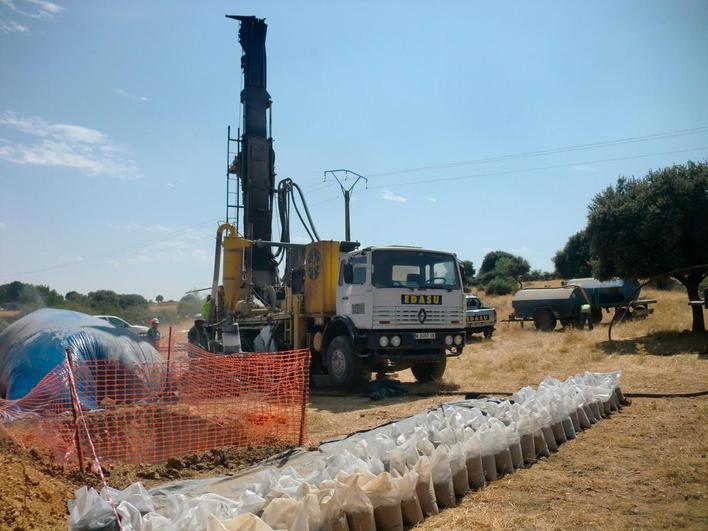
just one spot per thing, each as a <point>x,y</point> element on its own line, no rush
<point>343,365</point>
<point>544,320</point>
<point>488,333</point>
<point>430,371</point>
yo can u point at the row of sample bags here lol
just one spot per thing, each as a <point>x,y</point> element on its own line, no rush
<point>383,479</point>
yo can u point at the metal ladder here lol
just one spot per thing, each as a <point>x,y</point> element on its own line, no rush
<point>233,182</point>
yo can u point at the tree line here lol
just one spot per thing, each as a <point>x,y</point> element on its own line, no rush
<point>654,227</point>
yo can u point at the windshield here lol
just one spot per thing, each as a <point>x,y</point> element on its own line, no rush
<point>414,269</point>
<point>473,303</point>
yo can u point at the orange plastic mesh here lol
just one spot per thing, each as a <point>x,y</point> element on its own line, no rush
<point>194,402</point>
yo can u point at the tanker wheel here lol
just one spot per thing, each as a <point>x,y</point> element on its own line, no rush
<point>488,333</point>
<point>343,365</point>
<point>544,320</point>
<point>430,371</point>
<point>596,315</point>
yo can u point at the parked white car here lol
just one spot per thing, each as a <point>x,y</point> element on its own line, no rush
<point>122,323</point>
<point>478,317</point>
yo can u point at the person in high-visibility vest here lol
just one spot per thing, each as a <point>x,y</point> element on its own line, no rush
<point>206,308</point>
<point>585,316</point>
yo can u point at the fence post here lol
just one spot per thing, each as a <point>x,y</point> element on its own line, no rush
<point>169,353</point>
<point>74,407</point>
<point>303,407</point>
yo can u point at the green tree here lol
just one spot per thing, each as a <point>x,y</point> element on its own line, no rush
<point>642,228</point>
<point>189,305</point>
<point>504,263</point>
<point>159,299</point>
<point>573,260</point>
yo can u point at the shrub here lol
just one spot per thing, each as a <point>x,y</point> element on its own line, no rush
<point>500,285</point>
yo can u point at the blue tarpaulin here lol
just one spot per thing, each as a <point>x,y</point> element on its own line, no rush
<point>36,344</point>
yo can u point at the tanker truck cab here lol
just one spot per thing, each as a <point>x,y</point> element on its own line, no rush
<point>396,308</point>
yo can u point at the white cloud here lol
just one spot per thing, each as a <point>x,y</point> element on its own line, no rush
<point>129,95</point>
<point>432,199</point>
<point>39,8</point>
<point>65,146</point>
<point>150,229</point>
<point>10,26</point>
<point>390,196</point>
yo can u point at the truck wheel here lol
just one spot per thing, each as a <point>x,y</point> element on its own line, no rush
<point>596,315</point>
<point>544,320</point>
<point>343,365</point>
<point>431,371</point>
<point>488,333</point>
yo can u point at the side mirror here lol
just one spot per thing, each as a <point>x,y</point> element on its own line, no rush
<point>463,275</point>
<point>347,273</point>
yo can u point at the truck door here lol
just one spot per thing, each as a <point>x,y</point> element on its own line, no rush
<point>354,298</point>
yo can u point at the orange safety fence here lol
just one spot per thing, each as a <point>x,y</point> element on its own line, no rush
<point>147,413</point>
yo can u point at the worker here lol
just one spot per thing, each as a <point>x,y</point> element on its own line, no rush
<point>585,316</point>
<point>198,334</point>
<point>153,333</point>
<point>206,307</point>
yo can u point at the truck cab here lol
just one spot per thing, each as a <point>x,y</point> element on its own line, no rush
<point>396,308</point>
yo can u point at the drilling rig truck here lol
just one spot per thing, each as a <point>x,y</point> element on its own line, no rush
<point>374,309</point>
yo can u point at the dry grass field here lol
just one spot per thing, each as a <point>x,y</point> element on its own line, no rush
<point>646,467</point>
<point>643,468</point>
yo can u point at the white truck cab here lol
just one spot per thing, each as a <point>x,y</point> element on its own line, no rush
<point>403,307</point>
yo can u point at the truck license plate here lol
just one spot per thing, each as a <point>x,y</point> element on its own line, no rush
<point>425,335</point>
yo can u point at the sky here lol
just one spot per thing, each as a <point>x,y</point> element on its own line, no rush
<point>479,125</point>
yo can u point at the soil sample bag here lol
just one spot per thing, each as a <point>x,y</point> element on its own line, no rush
<point>286,513</point>
<point>559,432</point>
<point>473,461</point>
<point>575,420</point>
<point>385,497</point>
<point>356,504</point>
<point>333,516</point>
<point>502,455</point>
<point>568,428</point>
<point>550,438</point>
<point>242,522</point>
<point>514,441</point>
<point>489,464</point>
<point>539,444</point>
<point>460,481</point>
<point>396,462</point>
<point>589,413</point>
<point>442,478</point>
<point>620,396</point>
<point>597,409</point>
<point>525,428</point>
<point>607,406</point>
<point>424,487</point>
<point>583,419</point>
<point>410,506</point>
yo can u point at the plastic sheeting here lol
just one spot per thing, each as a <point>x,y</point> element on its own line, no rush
<point>35,345</point>
<point>375,479</point>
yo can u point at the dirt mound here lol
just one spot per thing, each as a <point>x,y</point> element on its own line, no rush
<point>34,490</point>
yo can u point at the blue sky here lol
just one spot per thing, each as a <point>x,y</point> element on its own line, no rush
<point>113,118</point>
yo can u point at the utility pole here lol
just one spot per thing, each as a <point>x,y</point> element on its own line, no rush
<point>347,193</point>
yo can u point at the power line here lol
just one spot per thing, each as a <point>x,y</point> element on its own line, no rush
<point>549,151</point>
<point>539,168</point>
